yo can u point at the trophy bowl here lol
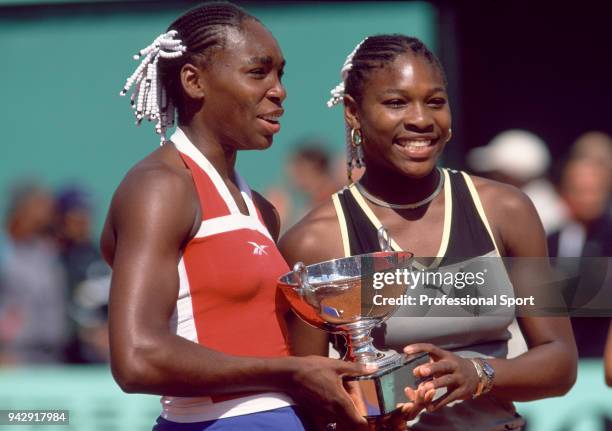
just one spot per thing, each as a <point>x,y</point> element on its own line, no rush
<point>350,296</point>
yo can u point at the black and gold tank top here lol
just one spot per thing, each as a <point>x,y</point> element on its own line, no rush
<point>466,237</point>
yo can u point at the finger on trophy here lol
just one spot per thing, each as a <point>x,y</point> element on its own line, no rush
<point>411,394</point>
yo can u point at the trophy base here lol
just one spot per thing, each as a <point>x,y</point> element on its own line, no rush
<point>383,390</point>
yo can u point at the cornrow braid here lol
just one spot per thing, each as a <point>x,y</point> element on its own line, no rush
<point>189,39</point>
<point>378,51</point>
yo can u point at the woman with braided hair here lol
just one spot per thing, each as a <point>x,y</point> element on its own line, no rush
<point>398,122</point>
<point>194,311</point>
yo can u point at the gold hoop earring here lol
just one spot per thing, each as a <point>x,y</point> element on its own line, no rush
<point>450,135</point>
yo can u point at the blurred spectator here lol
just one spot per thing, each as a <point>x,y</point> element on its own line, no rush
<point>585,187</point>
<point>595,146</point>
<point>87,275</point>
<point>311,181</point>
<point>280,198</point>
<point>310,173</point>
<point>520,158</point>
<point>89,310</point>
<point>74,234</point>
<point>32,283</point>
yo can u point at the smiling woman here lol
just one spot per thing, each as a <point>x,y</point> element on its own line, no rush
<point>194,311</point>
<point>398,122</point>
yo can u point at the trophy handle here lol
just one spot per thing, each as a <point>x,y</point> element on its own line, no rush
<point>302,273</point>
<point>384,240</point>
<point>305,289</point>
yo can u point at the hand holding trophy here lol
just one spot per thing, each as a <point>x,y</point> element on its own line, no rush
<point>338,296</point>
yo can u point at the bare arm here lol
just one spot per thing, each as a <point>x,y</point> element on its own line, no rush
<point>148,233</point>
<point>548,368</point>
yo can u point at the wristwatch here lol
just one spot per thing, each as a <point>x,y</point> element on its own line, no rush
<point>486,375</point>
<point>489,373</point>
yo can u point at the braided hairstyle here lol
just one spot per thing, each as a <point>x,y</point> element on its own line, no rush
<point>202,31</point>
<point>378,51</point>
<point>191,38</point>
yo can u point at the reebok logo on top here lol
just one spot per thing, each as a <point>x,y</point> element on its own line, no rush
<point>258,249</point>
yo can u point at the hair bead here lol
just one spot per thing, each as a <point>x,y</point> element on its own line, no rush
<point>148,90</point>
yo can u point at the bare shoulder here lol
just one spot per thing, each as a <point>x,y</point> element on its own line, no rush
<point>315,238</point>
<point>156,196</point>
<point>512,216</point>
<point>154,184</point>
<point>501,197</point>
<point>268,213</point>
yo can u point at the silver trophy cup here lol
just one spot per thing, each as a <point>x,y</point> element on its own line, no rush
<point>338,296</point>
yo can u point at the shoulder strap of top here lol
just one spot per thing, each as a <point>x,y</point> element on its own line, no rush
<point>211,203</point>
<point>480,208</point>
<point>214,196</point>
<point>247,195</point>
<point>358,234</point>
<point>346,247</point>
<point>470,234</point>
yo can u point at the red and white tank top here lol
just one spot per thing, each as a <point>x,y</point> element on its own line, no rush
<point>228,300</point>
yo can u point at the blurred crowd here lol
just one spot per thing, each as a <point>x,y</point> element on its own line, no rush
<point>572,197</point>
<point>54,285</point>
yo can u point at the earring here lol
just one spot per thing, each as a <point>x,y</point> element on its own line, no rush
<point>354,153</point>
<point>450,135</point>
<point>356,141</point>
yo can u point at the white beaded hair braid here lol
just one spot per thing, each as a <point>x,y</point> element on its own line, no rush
<point>338,91</point>
<point>149,99</point>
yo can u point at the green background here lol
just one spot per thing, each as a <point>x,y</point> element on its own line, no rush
<point>64,65</point>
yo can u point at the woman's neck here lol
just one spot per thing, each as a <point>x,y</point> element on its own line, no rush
<point>396,188</point>
<point>222,157</point>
